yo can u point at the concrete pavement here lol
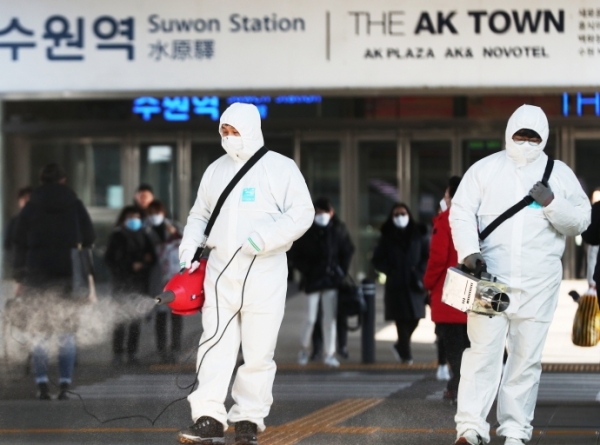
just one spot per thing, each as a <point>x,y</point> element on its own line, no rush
<point>383,403</point>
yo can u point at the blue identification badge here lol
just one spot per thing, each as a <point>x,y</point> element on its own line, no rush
<point>249,194</point>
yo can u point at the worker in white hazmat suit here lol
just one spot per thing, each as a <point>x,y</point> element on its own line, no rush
<point>265,212</point>
<point>525,253</point>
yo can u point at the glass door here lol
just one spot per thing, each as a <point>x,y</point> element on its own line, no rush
<point>430,169</point>
<point>157,168</point>
<point>587,160</point>
<point>378,191</point>
<point>320,165</point>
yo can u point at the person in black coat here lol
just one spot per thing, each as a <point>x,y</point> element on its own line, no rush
<point>401,255</point>
<point>592,236</point>
<point>49,227</point>
<point>129,256</point>
<point>322,255</point>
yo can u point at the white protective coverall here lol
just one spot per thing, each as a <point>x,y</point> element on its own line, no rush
<point>272,203</point>
<point>525,253</point>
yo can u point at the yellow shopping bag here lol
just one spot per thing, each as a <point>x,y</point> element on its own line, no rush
<point>586,325</point>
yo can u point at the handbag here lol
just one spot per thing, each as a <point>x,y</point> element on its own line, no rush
<point>586,323</point>
<point>351,301</point>
<point>82,262</point>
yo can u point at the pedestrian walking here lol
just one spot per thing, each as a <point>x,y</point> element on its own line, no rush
<point>165,236</point>
<point>246,276</point>
<point>323,255</point>
<point>49,227</point>
<point>129,257</point>
<point>144,195</point>
<point>524,252</point>
<point>401,254</point>
<point>451,324</point>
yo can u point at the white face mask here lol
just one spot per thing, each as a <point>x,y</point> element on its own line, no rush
<point>401,221</point>
<point>523,154</point>
<point>322,219</point>
<point>156,220</point>
<point>234,146</point>
<point>443,205</point>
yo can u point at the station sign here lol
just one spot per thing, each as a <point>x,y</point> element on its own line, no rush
<point>218,47</point>
<point>180,108</point>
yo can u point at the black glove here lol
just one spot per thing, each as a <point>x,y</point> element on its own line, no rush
<point>473,260</point>
<point>543,195</point>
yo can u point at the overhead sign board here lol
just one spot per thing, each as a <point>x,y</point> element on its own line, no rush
<point>208,46</point>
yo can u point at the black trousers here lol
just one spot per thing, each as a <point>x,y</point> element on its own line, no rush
<point>342,331</point>
<point>441,347</point>
<point>133,338</point>
<point>405,330</point>
<point>161,331</point>
<point>455,339</point>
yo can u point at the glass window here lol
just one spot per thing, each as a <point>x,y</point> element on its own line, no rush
<point>430,171</point>
<point>283,146</point>
<point>203,154</point>
<point>587,160</point>
<point>476,149</point>
<point>157,168</point>
<point>320,165</point>
<point>378,191</point>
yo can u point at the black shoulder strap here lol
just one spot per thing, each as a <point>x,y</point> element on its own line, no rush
<point>239,175</point>
<point>518,206</point>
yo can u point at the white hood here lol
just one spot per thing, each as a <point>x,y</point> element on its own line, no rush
<point>245,118</point>
<point>532,118</point>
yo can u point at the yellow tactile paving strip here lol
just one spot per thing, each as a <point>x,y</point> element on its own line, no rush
<point>317,422</point>
<point>546,367</point>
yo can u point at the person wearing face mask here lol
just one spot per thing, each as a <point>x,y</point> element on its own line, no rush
<point>268,209</point>
<point>129,257</point>
<point>450,323</point>
<point>323,257</point>
<point>523,252</point>
<point>401,254</point>
<point>165,236</point>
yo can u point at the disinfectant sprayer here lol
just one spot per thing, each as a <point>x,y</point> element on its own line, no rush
<point>475,291</point>
<point>184,293</point>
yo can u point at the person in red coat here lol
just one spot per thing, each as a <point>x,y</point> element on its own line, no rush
<point>451,324</point>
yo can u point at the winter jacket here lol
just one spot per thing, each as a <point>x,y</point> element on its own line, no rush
<point>126,247</point>
<point>404,268</point>
<point>442,255</point>
<point>592,236</point>
<point>53,222</point>
<point>323,255</point>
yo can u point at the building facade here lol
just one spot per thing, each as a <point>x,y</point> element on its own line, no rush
<point>377,102</point>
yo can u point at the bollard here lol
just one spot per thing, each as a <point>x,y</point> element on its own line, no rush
<point>368,324</point>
